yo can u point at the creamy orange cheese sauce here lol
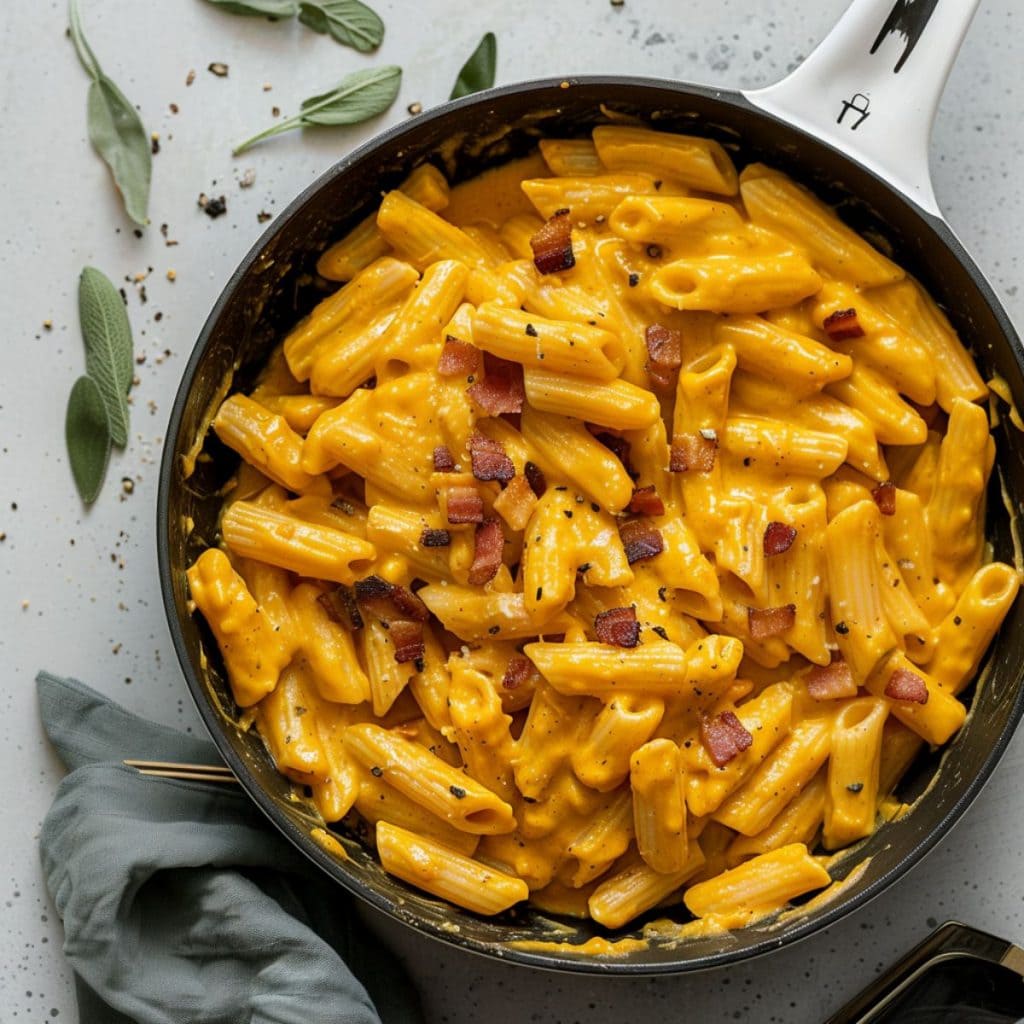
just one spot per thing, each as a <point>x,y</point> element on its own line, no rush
<point>617,559</point>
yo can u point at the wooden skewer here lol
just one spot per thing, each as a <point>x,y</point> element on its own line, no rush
<point>175,770</point>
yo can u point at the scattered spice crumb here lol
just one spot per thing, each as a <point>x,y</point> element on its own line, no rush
<point>275,111</point>
<point>415,108</point>
<point>218,68</point>
<point>154,143</point>
<point>263,216</point>
<point>24,605</point>
<point>191,76</point>
<point>213,207</point>
<point>158,316</point>
<point>267,87</point>
<point>248,179</point>
<point>137,232</point>
<point>140,359</point>
<point>3,536</point>
<point>618,3</point>
<point>47,325</point>
<point>172,275</point>
<point>173,108</point>
<point>127,484</point>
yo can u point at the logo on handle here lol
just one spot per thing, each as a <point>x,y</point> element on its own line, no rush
<point>908,19</point>
<point>858,105</point>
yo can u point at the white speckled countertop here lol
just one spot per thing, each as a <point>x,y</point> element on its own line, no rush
<point>79,591</point>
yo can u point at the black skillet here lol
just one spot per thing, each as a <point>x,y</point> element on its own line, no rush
<point>852,123</point>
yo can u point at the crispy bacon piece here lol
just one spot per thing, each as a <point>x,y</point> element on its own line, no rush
<point>408,604</point>
<point>458,358</point>
<point>843,325</point>
<point>464,505</point>
<point>885,498</point>
<point>435,538</point>
<point>641,540</point>
<point>340,605</point>
<point>502,389</point>
<point>489,459</point>
<point>516,503</point>
<point>444,461</point>
<point>390,602</point>
<point>907,686</point>
<point>552,244</point>
<point>724,736</point>
<point>831,682</point>
<point>693,452</point>
<point>645,502</point>
<point>518,671</point>
<point>488,544</point>
<point>778,538</point>
<point>665,354</point>
<point>618,626</point>
<point>764,623</point>
<point>618,446</point>
<point>407,637</point>
<point>535,478</point>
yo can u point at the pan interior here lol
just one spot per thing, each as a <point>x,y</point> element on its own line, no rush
<point>277,284</point>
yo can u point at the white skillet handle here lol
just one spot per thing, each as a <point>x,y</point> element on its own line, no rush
<point>871,88</point>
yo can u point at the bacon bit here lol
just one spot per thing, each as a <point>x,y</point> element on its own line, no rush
<point>488,544</point>
<point>618,446</point>
<point>444,461</point>
<point>724,737</point>
<point>519,670</point>
<point>640,540</point>
<point>458,358</point>
<point>552,245</point>
<point>489,459</point>
<point>516,503</point>
<point>501,390</point>
<point>645,502</point>
<point>831,682</point>
<point>778,538</point>
<point>885,498</point>
<point>435,538</point>
<point>465,505</point>
<point>907,686</point>
<point>618,626</point>
<point>408,640</point>
<point>390,601</point>
<point>692,452</point>
<point>764,623</point>
<point>409,604</point>
<point>843,325</point>
<point>340,605</point>
<point>535,478</point>
<point>665,352</point>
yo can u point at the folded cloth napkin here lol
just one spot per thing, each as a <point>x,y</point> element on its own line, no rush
<point>181,904</point>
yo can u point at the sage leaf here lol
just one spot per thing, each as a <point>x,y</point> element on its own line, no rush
<point>115,129</point>
<point>358,97</point>
<point>258,8</point>
<point>87,434</point>
<point>350,22</point>
<point>108,347</point>
<point>478,72</point>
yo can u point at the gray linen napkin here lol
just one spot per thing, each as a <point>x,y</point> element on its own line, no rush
<point>180,903</point>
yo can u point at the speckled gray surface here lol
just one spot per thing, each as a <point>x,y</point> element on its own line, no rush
<point>78,591</point>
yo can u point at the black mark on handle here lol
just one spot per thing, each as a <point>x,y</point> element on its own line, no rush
<point>908,19</point>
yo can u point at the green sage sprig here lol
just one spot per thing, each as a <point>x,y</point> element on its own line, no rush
<point>350,22</point>
<point>97,413</point>
<point>259,8</point>
<point>358,97</point>
<point>478,72</point>
<point>115,129</point>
